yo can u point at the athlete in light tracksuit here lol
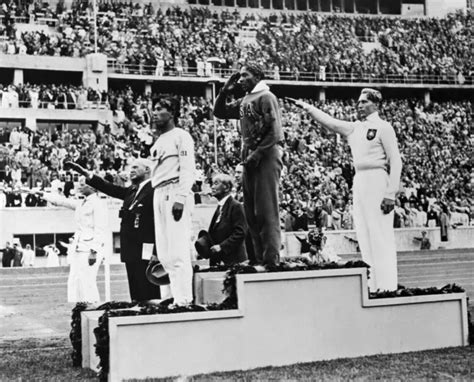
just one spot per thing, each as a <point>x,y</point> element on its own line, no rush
<point>378,167</point>
<point>172,178</point>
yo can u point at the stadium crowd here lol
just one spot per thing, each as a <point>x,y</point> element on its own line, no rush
<point>51,97</point>
<point>317,173</point>
<point>140,39</point>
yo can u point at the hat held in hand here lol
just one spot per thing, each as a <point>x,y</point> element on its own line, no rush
<point>203,244</point>
<point>156,274</point>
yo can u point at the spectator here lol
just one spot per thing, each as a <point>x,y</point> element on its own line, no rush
<point>434,142</point>
<point>320,216</point>
<point>8,255</point>
<point>425,243</point>
<point>28,256</point>
<point>444,223</point>
<point>52,255</point>
<point>17,253</point>
<point>324,45</point>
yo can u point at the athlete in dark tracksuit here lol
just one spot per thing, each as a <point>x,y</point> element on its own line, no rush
<point>260,119</point>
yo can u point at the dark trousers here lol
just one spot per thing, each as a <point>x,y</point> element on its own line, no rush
<point>140,288</point>
<point>7,260</point>
<point>249,249</point>
<point>261,204</point>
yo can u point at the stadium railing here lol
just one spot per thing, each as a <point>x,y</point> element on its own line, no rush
<point>54,105</point>
<point>431,79</point>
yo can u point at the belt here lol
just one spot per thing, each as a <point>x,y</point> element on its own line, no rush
<point>167,182</point>
<point>370,168</point>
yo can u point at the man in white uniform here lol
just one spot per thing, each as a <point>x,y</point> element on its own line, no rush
<point>173,174</point>
<point>378,167</point>
<point>87,247</point>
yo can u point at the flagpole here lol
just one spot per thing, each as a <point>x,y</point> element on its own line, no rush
<point>214,121</point>
<point>95,25</point>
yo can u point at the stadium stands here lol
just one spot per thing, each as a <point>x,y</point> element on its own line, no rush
<point>311,46</point>
<point>434,137</point>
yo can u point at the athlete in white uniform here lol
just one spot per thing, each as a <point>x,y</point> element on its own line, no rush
<point>378,167</point>
<point>87,248</point>
<point>172,178</point>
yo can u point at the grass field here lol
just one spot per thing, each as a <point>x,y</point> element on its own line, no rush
<point>49,360</point>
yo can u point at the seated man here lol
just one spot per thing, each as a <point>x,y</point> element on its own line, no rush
<point>225,241</point>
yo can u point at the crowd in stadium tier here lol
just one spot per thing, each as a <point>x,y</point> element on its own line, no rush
<point>147,40</point>
<point>317,174</point>
<point>51,97</point>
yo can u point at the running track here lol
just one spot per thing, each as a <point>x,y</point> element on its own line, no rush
<point>32,300</point>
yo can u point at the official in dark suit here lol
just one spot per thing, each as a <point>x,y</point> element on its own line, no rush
<point>137,228</point>
<point>239,195</point>
<point>8,255</point>
<point>228,228</point>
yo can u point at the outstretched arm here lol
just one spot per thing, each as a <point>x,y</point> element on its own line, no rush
<point>59,200</point>
<point>336,125</point>
<point>98,183</point>
<point>107,188</point>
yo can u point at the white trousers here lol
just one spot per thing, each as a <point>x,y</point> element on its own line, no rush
<point>374,229</point>
<point>173,243</point>
<point>82,280</point>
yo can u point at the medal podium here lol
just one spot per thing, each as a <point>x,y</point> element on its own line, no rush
<point>283,318</point>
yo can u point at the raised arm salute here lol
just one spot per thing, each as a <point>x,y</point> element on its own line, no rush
<point>137,228</point>
<point>88,243</point>
<point>378,167</point>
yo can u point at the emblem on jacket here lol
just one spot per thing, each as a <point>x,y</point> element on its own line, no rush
<point>371,133</point>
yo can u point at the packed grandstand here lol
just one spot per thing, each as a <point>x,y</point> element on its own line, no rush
<point>435,137</point>
<point>142,39</point>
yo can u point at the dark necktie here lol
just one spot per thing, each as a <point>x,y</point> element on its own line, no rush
<point>217,216</point>
<point>218,213</point>
<point>133,196</point>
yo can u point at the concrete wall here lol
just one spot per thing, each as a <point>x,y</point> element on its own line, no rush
<point>285,318</point>
<point>439,8</point>
<point>30,117</point>
<point>68,64</point>
<point>60,220</point>
<point>338,242</point>
<point>93,66</point>
<point>95,73</point>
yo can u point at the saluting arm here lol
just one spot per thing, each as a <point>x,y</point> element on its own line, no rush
<point>336,125</point>
<point>107,188</point>
<point>59,200</point>
<point>224,110</point>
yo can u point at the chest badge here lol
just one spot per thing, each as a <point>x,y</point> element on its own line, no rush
<point>371,133</point>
